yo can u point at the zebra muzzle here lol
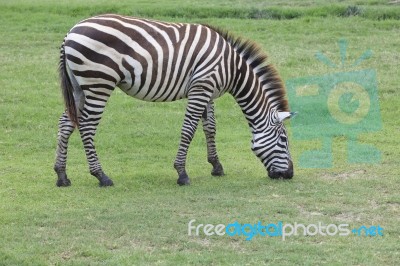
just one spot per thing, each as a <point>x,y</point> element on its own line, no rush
<point>282,174</point>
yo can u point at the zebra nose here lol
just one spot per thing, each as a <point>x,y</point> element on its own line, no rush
<point>282,174</point>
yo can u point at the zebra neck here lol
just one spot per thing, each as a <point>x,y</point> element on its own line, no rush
<point>252,99</point>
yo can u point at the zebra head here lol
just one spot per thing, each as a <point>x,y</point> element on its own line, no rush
<point>272,146</point>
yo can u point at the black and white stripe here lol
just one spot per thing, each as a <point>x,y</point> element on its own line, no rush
<point>157,61</point>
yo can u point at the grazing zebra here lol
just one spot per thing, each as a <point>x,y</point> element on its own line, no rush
<point>161,62</point>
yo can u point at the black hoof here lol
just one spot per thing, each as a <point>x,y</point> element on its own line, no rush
<point>63,182</point>
<point>106,183</point>
<point>183,180</point>
<point>104,180</point>
<point>218,170</point>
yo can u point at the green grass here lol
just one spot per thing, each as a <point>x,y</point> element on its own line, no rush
<point>143,219</point>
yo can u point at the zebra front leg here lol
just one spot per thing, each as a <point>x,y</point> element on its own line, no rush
<point>197,102</point>
<point>88,123</point>
<point>65,129</point>
<point>209,129</point>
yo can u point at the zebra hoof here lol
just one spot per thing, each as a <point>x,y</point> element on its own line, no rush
<point>106,183</point>
<point>104,180</point>
<point>63,182</point>
<point>218,170</point>
<point>183,180</point>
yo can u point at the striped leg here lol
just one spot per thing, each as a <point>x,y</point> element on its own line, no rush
<point>197,102</point>
<point>209,129</point>
<point>88,122</point>
<point>65,129</point>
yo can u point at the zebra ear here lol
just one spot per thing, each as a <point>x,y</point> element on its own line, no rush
<point>285,115</point>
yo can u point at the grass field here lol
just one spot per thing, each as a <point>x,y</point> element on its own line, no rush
<point>143,219</point>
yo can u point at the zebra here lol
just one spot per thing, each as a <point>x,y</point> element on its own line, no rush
<point>162,62</point>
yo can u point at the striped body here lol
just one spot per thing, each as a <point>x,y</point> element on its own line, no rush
<point>161,62</point>
<point>144,55</point>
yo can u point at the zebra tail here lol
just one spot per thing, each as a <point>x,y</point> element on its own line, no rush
<point>67,89</point>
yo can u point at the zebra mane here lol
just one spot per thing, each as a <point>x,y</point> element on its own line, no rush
<point>257,59</point>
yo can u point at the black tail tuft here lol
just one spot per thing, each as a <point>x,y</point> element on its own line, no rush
<point>67,89</point>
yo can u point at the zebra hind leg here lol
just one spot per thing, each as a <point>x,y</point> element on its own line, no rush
<point>88,123</point>
<point>209,128</point>
<point>65,129</point>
